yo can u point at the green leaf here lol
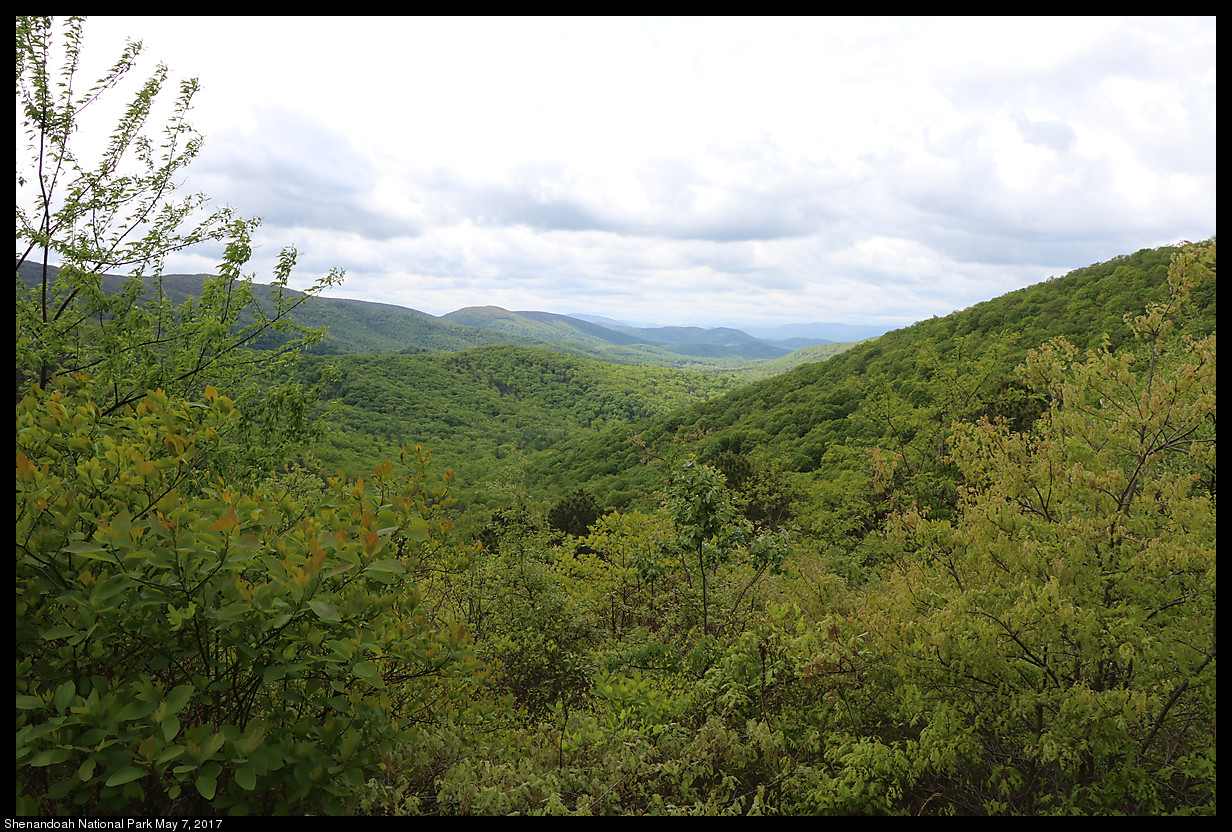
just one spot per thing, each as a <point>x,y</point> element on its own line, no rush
<point>324,611</point>
<point>50,756</point>
<point>170,753</point>
<point>137,709</point>
<point>369,673</point>
<point>106,590</point>
<point>179,697</point>
<point>125,775</point>
<point>417,529</point>
<point>246,777</point>
<point>339,569</point>
<point>170,726</point>
<point>207,786</point>
<point>81,547</point>
<point>64,696</point>
<point>61,790</point>
<point>392,566</point>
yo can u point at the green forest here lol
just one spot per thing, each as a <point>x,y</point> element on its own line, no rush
<point>964,568</point>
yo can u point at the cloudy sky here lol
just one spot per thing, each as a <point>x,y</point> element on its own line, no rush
<point>685,171</point>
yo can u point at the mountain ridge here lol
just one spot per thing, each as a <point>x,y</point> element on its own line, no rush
<point>364,326</point>
<point>805,420</point>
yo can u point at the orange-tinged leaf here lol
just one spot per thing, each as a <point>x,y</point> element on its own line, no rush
<point>25,468</point>
<point>225,522</point>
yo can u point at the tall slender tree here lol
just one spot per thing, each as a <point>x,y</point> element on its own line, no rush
<point>81,216</point>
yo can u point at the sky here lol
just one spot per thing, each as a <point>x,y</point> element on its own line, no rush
<point>723,171</point>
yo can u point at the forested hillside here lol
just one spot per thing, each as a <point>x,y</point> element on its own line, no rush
<point>361,327</point>
<point>902,387</point>
<point>965,569</point>
<point>476,407</point>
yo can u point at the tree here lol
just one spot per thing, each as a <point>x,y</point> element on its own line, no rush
<point>710,532</point>
<point>575,513</point>
<point>767,498</point>
<point>188,640</point>
<point>1054,642</point>
<point>79,220</point>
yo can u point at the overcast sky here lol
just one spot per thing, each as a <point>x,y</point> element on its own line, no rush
<point>685,171</point>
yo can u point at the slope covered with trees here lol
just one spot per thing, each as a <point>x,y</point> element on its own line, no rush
<point>902,389</point>
<point>997,597</point>
<point>476,407</point>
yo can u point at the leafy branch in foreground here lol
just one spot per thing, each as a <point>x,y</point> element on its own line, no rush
<point>79,221</point>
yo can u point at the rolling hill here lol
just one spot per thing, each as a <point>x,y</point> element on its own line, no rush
<point>808,421</point>
<point>356,326</point>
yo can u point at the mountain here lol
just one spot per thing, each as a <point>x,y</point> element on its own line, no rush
<point>611,322</point>
<point>544,326</point>
<point>816,421</point>
<point>794,336</point>
<point>718,342</point>
<point>356,326</point>
<point>818,333</point>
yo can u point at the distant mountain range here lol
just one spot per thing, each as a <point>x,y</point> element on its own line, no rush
<point>357,326</point>
<point>696,341</point>
<point>793,335</point>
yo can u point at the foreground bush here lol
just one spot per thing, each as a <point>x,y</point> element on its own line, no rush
<point>182,646</point>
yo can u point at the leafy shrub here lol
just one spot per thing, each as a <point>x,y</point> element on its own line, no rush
<point>1057,638</point>
<point>182,646</point>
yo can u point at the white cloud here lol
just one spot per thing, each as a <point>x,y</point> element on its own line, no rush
<point>708,171</point>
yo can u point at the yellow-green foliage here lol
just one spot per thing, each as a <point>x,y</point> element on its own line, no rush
<point>1053,646</point>
<point>182,646</point>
